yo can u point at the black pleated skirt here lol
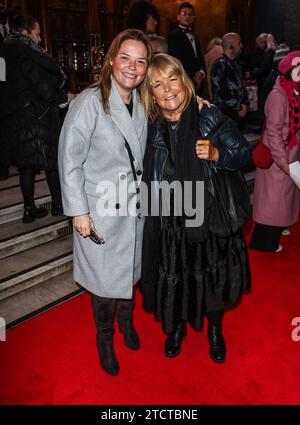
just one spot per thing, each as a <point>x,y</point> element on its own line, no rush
<point>195,278</point>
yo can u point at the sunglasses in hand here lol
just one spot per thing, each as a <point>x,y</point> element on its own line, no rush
<point>96,238</point>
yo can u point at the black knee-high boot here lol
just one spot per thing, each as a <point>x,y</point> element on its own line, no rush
<point>54,186</point>
<point>217,347</point>
<point>31,212</point>
<point>125,320</point>
<point>104,314</point>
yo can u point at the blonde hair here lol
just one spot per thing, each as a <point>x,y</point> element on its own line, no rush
<point>166,65</point>
<point>105,81</point>
<point>216,41</point>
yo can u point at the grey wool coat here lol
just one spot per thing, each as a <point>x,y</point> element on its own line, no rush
<point>93,160</point>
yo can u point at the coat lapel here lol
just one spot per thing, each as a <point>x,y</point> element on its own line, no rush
<point>133,129</point>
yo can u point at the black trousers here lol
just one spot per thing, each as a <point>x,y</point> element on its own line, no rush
<point>27,186</point>
<point>265,238</point>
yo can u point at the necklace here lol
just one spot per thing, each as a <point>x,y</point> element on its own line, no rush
<point>174,126</point>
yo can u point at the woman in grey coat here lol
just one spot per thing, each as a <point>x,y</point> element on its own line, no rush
<point>101,151</point>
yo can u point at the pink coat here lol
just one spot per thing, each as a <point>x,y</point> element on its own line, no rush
<point>276,198</point>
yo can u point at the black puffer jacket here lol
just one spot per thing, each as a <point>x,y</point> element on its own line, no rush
<point>234,150</point>
<point>30,121</point>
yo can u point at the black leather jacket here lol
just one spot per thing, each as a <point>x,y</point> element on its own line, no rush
<point>234,150</point>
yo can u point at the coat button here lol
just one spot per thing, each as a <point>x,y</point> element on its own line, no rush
<point>139,215</point>
<point>138,205</point>
<point>123,176</point>
<point>118,206</point>
<point>138,190</point>
<point>139,172</point>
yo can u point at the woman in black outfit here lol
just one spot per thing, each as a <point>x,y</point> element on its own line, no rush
<point>188,271</point>
<point>30,117</point>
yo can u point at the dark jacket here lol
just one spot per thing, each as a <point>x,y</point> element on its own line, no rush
<point>227,84</point>
<point>234,153</point>
<point>29,105</point>
<point>263,65</point>
<point>234,150</point>
<point>181,48</point>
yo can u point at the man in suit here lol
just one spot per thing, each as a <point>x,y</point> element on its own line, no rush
<point>185,45</point>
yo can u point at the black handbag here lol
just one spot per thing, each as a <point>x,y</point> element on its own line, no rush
<point>230,205</point>
<point>230,202</point>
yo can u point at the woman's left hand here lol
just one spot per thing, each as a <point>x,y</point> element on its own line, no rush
<point>205,150</point>
<point>202,102</point>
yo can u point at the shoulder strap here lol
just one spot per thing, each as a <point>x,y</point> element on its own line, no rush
<point>131,159</point>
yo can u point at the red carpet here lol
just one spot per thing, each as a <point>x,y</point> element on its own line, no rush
<point>52,359</point>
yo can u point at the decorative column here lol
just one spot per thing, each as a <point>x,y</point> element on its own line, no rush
<point>96,50</point>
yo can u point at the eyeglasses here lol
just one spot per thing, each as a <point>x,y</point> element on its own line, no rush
<point>96,238</point>
<point>187,14</point>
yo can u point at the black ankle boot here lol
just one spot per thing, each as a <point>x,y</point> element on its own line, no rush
<point>31,213</point>
<point>107,356</point>
<point>217,347</point>
<point>131,338</point>
<point>125,319</point>
<point>173,341</point>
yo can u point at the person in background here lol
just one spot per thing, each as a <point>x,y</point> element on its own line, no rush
<point>276,198</point>
<point>143,16</point>
<point>263,58</point>
<point>228,88</point>
<point>185,45</point>
<point>213,52</point>
<point>4,28</point>
<point>261,66</point>
<point>281,51</point>
<point>187,271</point>
<point>158,44</point>
<point>29,112</point>
<point>103,140</point>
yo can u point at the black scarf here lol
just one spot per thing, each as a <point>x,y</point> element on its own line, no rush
<point>189,168</point>
<point>25,39</point>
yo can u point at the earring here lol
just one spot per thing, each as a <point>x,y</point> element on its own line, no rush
<point>154,100</point>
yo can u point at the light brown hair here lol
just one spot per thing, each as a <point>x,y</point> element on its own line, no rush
<point>104,83</point>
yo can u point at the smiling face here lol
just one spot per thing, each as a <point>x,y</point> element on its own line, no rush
<point>169,93</point>
<point>129,67</point>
